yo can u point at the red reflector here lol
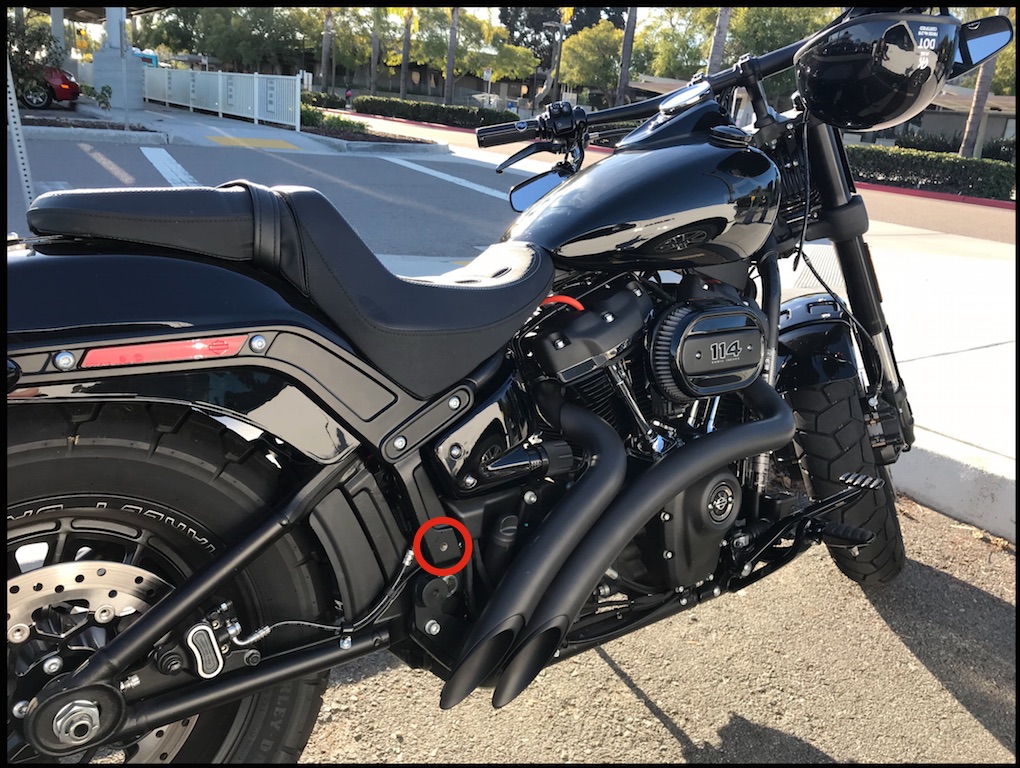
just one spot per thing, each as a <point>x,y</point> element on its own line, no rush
<point>164,351</point>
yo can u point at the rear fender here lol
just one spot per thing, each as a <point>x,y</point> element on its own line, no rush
<point>120,326</point>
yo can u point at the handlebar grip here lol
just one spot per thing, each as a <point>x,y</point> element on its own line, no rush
<point>507,133</point>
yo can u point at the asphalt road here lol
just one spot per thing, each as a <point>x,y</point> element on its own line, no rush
<point>800,668</point>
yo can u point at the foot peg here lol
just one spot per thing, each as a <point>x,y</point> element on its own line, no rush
<point>844,536</point>
<point>856,480</point>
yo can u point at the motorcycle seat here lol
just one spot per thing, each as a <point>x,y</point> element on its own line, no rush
<point>425,334</point>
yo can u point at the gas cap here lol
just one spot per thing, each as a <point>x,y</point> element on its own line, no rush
<point>728,136</point>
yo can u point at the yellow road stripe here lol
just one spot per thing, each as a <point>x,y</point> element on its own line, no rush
<point>230,141</point>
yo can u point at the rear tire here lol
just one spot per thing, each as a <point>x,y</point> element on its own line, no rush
<point>831,439</point>
<point>155,491</point>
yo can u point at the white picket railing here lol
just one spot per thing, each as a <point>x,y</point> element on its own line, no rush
<point>272,99</point>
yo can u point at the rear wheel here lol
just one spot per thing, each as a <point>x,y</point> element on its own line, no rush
<point>109,508</point>
<point>831,439</point>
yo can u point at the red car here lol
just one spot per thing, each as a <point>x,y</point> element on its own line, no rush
<point>56,85</point>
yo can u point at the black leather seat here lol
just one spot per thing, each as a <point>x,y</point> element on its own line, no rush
<point>425,334</point>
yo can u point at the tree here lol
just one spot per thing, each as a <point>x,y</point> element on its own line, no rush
<point>327,48</point>
<point>969,145</point>
<point>628,47</point>
<point>673,44</point>
<point>405,51</point>
<point>31,47</point>
<point>592,58</point>
<point>451,55</point>
<point>722,26</point>
<point>763,29</point>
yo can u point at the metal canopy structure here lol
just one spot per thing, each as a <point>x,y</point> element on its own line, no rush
<point>96,15</point>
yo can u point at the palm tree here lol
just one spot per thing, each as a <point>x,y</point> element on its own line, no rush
<point>327,47</point>
<point>968,147</point>
<point>451,55</point>
<point>628,47</point>
<point>722,27</point>
<point>405,55</point>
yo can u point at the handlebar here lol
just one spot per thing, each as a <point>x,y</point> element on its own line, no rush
<point>528,130</point>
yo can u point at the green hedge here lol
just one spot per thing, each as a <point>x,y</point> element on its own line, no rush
<point>428,112</point>
<point>932,171</point>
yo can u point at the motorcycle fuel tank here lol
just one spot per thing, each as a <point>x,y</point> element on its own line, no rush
<point>678,206</point>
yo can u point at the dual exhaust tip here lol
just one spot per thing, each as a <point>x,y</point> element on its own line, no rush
<point>528,617</point>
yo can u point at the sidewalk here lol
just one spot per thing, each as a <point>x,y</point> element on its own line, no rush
<point>950,300</point>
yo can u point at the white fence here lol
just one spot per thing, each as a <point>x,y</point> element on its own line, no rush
<point>261,98</point>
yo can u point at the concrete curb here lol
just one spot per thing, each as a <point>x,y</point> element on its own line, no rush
<point>147,138</point>
<point>342,145</point>
<point>982,489</point>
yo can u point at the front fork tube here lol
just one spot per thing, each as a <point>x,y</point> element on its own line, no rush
<point>829,173</point>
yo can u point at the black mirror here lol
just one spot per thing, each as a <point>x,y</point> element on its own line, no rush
<point>979,41</point>
<point>529,192</point>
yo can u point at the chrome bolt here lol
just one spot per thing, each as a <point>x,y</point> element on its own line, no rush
<point>667,555</point>
<point>18,633</point>
<point>225,648</point>
<point>346,642</point>
<point>454,403</point>
<point>52,665</point>
<point>64,361</point>
<point>433,627</point>
<point>665,517</point>
<point>456,451</point>
<point>258,343</point>
<point>130,682</point>
<point>470,482</point>
<point>609,317</point>
<point>530,497</point>
<point>746,570</point>
<point>716,592</point>
<point>400,443</point>
<point>105,614</point>
<point>559,343</point>
<point>20,709</point>
<point>76,723</point>
<point>683,601</point>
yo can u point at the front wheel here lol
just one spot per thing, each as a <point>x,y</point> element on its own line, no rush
<point>831,439</point>
<point>108,509</point>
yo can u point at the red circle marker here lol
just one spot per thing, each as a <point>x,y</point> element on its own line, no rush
<point>460,564</point>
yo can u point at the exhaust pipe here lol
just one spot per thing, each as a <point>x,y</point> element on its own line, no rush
<point>523,586</point>
<point>623,520</point>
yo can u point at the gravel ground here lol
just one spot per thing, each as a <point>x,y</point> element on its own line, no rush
<point>802,667</point>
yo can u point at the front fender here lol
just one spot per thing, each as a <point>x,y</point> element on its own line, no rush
<point>815,343</point>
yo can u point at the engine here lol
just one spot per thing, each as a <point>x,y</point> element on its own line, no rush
<point>654,360</point>
<point>648,351</point>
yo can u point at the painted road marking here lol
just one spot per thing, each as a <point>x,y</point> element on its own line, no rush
<point>452,179</point>
<point>169,168</point>
<point>232,141</point>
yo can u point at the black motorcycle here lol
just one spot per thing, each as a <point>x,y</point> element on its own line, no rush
<point>240,451</point>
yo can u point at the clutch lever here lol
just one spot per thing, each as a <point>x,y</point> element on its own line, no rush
<point>537,146</point>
